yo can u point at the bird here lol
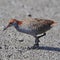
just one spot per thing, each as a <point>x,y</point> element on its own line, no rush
<point>32,26</point>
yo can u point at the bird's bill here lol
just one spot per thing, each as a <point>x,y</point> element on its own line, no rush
<point>6,27</point>
<point>54,24</point>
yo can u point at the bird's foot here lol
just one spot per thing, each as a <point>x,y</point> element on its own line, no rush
<point>35,46</point>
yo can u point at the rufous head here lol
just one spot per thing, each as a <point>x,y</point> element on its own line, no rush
<point>11,23</point>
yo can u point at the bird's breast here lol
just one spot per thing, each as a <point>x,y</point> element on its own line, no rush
<point>25,29</point>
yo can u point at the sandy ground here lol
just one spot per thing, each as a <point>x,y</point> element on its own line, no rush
<point>11,47</point>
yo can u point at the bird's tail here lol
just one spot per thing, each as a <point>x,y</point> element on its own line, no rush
<point>54,23</point>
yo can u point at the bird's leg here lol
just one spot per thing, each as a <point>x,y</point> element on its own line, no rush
<point>37,40</point>
<point>36,45</point>
<point>42,35</point>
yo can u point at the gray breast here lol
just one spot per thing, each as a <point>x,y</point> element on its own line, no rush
<point>24,29</point>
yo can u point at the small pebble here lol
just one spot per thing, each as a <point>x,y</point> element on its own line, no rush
<point>9,55</point>
<point>30,15</point>
<point>21,40</point>
<point>0,47</point>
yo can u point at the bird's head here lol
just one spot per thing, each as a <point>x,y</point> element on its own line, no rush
<point>12,22</point>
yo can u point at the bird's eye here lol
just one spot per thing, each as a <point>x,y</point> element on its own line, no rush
<point>10,23</point>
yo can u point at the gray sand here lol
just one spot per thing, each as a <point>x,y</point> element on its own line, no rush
<point>13,44</point>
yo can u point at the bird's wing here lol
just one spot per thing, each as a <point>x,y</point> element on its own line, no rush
<point>35,23</point>
<point>40,23</point>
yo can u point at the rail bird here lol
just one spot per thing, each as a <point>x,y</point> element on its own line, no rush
<point>32,26</point>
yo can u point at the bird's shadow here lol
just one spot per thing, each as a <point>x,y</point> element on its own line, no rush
<point>46,48</point>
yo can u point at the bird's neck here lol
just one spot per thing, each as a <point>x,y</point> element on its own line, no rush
<point>19,22</point>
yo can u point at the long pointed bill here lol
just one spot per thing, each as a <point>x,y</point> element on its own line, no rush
<point>6,27</point>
